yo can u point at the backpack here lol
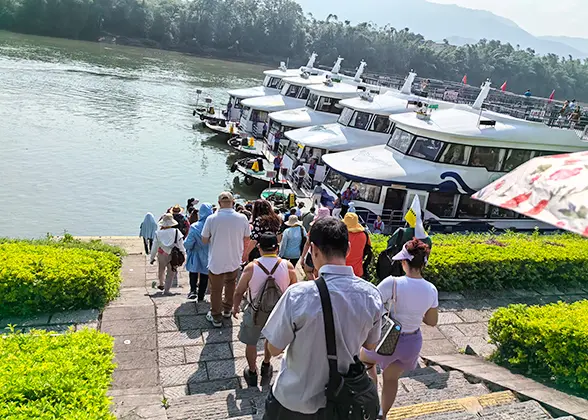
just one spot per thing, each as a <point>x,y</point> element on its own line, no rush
<point>368,254</point>
<point>386,266</point>
<point>268,297</point>
<point>179,217</point>
<point>177,257</point>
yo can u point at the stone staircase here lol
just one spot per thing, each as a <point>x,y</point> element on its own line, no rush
<point>426,393</point>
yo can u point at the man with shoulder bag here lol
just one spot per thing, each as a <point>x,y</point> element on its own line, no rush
<point>321,326</point>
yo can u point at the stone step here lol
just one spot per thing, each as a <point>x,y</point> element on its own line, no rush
<point>529,410</point>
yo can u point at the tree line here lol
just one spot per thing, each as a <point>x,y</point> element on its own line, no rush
<point>279,29</point>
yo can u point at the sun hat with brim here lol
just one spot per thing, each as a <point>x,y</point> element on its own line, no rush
<point>321,214</point>
<point>352,222</point>
<point>177,209</point>
<point>293,221</point>
<point>404,255</point>
<point>168,221</point>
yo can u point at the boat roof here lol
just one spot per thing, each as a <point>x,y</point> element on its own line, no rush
<point>273,103</point>
<point>384,104</point>
<point>336,137</point>
<point>282,73</point>
<point>335,90</point>
<point>303,117</point>
<point>460,125</point>
<point>377,165</point>
<point>251,92</point>
<point>304,81</point>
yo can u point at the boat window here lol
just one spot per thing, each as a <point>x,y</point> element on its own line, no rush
<point>335,181</point>
<point>310,153</point>
<point>292,150</point>
<point>367,193</point>
<point>291,90</point>
<point>274,82</point>
<point>345,116</point>
<point>259,116</point>
<point>280,84</point>
<point>360,120</point>
<point>329,105</point>
<point>469,208</point>
<point>304,92</point>
<point>426,148</point>
<point>499,213</point>
<point>400,140</point>
<point>485,157</point>
<point>274,127</point>
<point>441,204</point>
<point>312,100</point>
<point>546,153</point>
<point>381,124</point>
<point>456,154</point>
<point>515,158</point>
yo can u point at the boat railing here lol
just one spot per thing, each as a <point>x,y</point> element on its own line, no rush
<point>391,218</point>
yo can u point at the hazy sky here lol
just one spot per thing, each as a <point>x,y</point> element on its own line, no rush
<point>539,17</point>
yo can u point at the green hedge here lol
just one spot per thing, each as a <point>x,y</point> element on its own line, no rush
<point>512,260</point>
<point>542,341</point>
<point>44,278</point>
<point>68,241</point>
<point>64,376</point>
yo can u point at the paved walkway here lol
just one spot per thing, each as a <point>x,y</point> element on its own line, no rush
<point>166,349</point>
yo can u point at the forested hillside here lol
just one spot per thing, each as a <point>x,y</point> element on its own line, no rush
<point>272,29</point>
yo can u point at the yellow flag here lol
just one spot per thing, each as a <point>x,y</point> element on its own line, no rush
<point>411,218</point>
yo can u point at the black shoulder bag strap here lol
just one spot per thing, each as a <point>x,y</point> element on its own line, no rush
<point>334,375</point>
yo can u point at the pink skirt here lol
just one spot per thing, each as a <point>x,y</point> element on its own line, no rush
<point>405,356</point>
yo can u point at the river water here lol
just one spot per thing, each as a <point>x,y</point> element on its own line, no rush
<point>93,136</point>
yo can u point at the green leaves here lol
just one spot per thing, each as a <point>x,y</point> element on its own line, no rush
<point>65,376</point>
<point>55,277</point>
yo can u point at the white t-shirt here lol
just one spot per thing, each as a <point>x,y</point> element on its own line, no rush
<point>226,229</point>
<point>415,298</point>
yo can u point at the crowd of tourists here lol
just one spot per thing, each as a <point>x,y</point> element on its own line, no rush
<point>332,329</point>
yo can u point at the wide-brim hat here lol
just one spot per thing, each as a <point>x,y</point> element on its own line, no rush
<point>177,209</point>
<point>352,222</point>
<point>321,213</point>
<point>293,221</point>
<point>168,220</point>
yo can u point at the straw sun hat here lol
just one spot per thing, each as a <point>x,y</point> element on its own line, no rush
<point>168,220</point>
<point>293,221</point>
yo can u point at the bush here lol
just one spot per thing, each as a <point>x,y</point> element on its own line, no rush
<point>43,278</point>
<point>68,241</point>
<point>65,376</point>
<point>512,260</point>
<point>550,340</point>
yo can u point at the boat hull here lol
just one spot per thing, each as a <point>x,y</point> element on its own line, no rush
<point>264,175</point>
<point>236,143</point>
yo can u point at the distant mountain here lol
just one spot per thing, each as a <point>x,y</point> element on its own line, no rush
<point>444,21</point>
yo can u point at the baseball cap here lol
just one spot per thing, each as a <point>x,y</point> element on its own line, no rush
<point>268,241</point>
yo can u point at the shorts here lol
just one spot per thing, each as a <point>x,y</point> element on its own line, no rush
<point>249,333</point>
<point>405,356</point>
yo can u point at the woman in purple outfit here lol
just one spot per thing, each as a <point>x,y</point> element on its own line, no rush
<point>416,301</point>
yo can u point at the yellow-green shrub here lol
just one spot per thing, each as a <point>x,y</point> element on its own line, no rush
<point>45,278</point>
<point>550,340</point>
<point>486,261</point>
<point>62,376</point>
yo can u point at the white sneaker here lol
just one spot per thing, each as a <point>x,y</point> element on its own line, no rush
<point>226,314</point>
<point>209,318</point>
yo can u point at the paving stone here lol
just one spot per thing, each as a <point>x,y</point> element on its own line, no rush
<point>479,344</point>
<point>437,347</point>
<point>180,339</point>
<point>499,303</point>
<point>431,333</point>
<point>220,335</point>
<point>202,307</point>
<point>128,312</point>
<point>529,410</point>
<point>211,387</point>
<point>473,315</point>
<point>167,324</point>
<point>477,294</point>
<point>450,296</point>
<point>127,343</point>
<point>193,322</point>
<point>175,309</point>
<point>31,321</point>
<point>75,317</point>
<point>221,369</point>
<point>450,331</point>
<point>89,325</point>
<point>136,360</point>
<point>479,329</point>
<point>208,352</point>
<point>172,356</point>
<point>135,378</point>
<point>478,304</point>
<point>449,318</point>
<point>176,391</point>
<point>238,348</point>
<point>451,305</point>
<point>129,327</point>
<point>182,375</point>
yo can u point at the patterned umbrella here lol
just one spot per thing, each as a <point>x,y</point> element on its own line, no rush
<point>552,189</point>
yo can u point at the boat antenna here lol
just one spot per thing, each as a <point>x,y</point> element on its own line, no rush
<point>407,87</point>
<point>337,65</point>
<point>483,95</point>
<point>311,60</point>
<point>360,71</point>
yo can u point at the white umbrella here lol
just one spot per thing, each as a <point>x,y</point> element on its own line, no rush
<point>552,189</point>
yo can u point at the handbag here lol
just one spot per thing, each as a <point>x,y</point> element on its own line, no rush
<point>177,257</point>
<point>352,396</point>
<point>391,330</point>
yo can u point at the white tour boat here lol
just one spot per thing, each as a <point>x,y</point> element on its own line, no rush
<point>444,157</point>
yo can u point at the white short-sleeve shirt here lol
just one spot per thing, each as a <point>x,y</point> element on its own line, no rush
<point>226,229</point>
<point>415,298</point>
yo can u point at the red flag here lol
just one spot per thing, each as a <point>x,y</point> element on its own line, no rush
<point>503,87</point>
<point>552,95</point>
<point>465,79</point>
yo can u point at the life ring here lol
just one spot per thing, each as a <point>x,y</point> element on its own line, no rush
<point>202,117</point>
<point>248,180</point>
<point>235,142</point>
<point>233,167</point>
